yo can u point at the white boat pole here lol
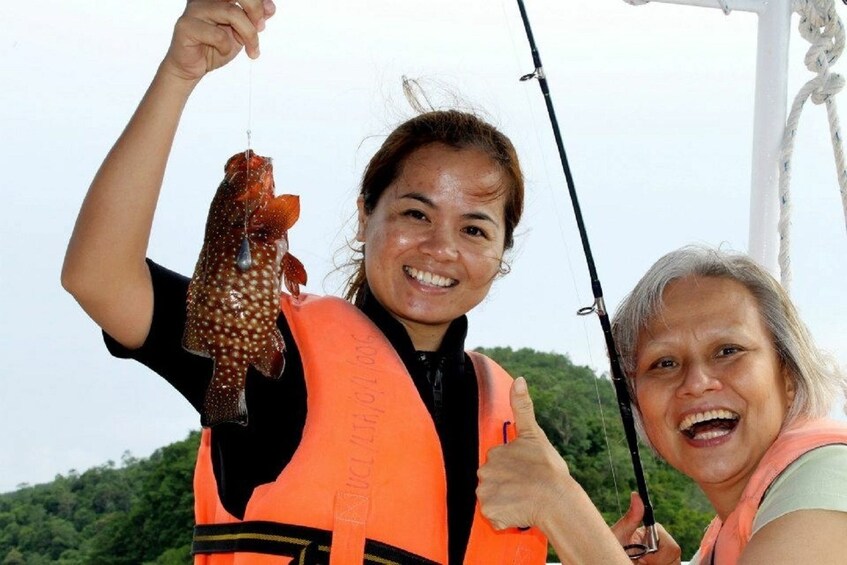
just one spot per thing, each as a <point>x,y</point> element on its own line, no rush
<point>771,101</point>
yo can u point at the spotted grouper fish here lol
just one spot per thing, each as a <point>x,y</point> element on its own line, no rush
<point>233,297</point>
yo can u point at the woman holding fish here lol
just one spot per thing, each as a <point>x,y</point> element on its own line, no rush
<point>367,420</point>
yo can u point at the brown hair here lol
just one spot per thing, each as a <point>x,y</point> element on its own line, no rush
<point>454,128</point>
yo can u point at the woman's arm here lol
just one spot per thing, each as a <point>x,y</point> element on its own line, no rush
<point>803,536</point>
<point>803,517</point>
<point>527,483</point>
<point>104,266</point>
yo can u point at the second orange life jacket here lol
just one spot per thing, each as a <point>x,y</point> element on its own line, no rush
<point>729,538</point>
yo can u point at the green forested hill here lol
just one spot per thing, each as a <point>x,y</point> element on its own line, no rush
<point>141,512</point>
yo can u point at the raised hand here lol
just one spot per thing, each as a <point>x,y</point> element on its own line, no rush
<point>527,483</point>
<point>520,478</point>
<point>105,266</point>
<point>210,33</point>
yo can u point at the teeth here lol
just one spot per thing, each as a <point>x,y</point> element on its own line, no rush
<point>712,435</point>
<point>429,278</point>
<point>692,419</point>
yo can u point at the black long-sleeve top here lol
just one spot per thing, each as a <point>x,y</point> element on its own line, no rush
<point>244,457</point>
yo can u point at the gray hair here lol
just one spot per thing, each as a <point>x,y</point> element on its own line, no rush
<point>816,377</point>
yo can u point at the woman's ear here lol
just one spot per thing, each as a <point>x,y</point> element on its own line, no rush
<point>363,220</point>
<point>790,385</point>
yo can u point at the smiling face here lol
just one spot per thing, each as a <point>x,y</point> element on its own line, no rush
<point>710,386</point>
<point>434,241</point>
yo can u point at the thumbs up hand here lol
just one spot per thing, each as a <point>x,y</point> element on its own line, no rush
<point>527,483</point>
<point>521,479</point>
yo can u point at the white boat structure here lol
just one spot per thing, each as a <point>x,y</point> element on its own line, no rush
<point>773,133</point>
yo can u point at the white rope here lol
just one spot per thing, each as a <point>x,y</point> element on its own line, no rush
<point>820,26</point>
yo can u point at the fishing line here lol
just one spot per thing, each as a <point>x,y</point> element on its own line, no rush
<point>598,307</point>
<point>249,105</point>
<point>244,259</point>
<point>560,217</point>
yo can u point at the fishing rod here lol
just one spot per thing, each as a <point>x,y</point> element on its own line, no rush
<point>650,543</point>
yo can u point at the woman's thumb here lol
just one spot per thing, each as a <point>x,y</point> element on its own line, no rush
<point>629,522</point>
<point>522,408</point>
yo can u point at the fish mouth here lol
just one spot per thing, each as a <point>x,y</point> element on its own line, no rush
<point>428,278</point>
<point>709,424</point>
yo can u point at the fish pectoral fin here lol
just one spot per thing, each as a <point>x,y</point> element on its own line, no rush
<point>226,400</point>
<point>271,362</point>
<point>192,342</point>
<point>287,206</point>
<point>293,273</point>
<point>278,215</point>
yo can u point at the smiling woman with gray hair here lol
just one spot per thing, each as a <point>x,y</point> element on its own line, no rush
<point>729,388</point>
<point>817,379</point>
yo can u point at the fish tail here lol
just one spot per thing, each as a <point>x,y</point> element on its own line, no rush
<point>225,400</point>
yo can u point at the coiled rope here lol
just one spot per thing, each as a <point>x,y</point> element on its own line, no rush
<point>820,26</point>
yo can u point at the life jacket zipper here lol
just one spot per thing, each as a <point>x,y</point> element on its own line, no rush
<point>434,370</point>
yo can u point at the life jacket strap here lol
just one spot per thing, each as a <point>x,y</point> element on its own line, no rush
<point>348,529</point>
<point>306,545</point>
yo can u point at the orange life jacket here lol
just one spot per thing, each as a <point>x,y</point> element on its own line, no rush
<point>367,482</point>
<point>728,539</point>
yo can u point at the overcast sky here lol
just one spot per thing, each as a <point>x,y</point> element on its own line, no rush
<point>655,104</point>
